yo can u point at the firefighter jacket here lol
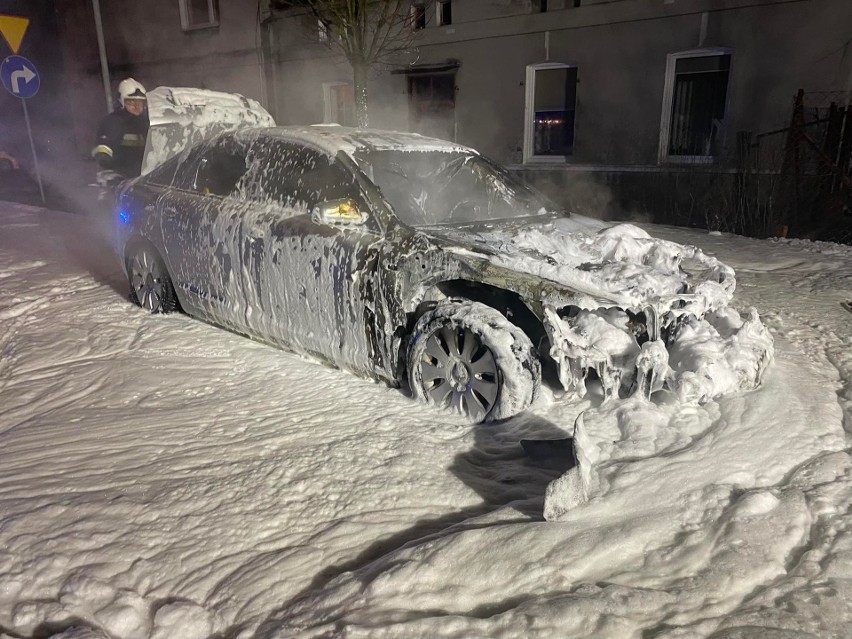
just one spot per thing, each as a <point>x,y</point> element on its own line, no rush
<point>121,142</point>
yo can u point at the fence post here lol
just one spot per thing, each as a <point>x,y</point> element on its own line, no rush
<point>791,167</point>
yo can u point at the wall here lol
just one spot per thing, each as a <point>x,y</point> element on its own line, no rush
<point>620,48</point>
<point>145,40</point>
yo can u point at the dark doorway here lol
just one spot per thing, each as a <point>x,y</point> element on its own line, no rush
<point>432,104</point>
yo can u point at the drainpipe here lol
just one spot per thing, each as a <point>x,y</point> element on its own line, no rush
<point>99,29</point>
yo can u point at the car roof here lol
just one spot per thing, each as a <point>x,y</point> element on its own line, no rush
<point>334,138</point>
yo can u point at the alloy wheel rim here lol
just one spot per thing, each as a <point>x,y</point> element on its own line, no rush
<point>146,281</point>
<point>458,371</point>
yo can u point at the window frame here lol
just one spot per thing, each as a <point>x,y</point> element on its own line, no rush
<point>323,35</point>
<point>529,115</point>
<point>663,156</point>
<point>439,11</point>
<point>417,13</point>
<point>186,16</point>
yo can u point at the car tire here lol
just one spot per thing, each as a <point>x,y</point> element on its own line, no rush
<point>150,284</point>
<point>467,356</point>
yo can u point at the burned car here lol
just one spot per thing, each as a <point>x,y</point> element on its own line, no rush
<point>421,263</point>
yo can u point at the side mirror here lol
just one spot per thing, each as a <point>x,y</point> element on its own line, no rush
<point>339,212</point>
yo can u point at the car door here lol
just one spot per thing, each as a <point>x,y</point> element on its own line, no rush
<point>309,280</point>
<point>201,218</point>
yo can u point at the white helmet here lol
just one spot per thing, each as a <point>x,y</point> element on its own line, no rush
<point>130,88</point>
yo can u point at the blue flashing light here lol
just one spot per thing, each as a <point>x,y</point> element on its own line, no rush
<point>123,216</point>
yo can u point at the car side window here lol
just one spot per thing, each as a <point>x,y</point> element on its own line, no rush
<point>299,178</point>
<point>219,171</point>
<point>214,168</point>
<point>164,174</point>
<point>187,168</point>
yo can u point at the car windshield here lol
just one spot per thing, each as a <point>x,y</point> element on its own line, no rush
<point>426,188</point>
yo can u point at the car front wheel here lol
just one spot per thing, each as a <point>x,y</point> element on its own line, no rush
<point>150,284</point>
<point>468,357</point>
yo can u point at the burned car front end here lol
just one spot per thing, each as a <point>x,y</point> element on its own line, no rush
<point>602,302</point>
<point>612,304</point>
<point>658,316</point>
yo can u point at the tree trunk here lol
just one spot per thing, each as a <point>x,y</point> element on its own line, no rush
<point>360,71</point>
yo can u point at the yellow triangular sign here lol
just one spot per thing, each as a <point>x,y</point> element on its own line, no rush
<point>13,30</point>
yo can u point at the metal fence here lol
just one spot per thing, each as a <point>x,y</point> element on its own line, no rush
<point>815,192</point>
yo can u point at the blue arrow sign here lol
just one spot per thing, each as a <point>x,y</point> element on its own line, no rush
<point>19,76</point>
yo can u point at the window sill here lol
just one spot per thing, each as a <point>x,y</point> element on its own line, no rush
<point>548,159</point>
<point>200,27</point>
<point>688,159</point>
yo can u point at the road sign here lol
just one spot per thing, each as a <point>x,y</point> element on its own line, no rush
<point>19,76</point>
<point>13,28</point>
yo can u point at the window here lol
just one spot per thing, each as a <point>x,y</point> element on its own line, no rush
<point>338,103</point>
<point>694,105</point>
<point>302,178</point>
<point>445,12</point>
<point>418,17</point>
<point>322,31</point>
<point>187,168</point>
<point>199,14</point>
<point>439,187</point>
<point>540,6</point>
<point>212,168</point>
<point>550,109</point>
<point>219,172</point>
<point>164,174</point>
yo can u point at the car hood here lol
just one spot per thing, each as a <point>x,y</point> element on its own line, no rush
<point>593,263</point>
<point>182,116</point>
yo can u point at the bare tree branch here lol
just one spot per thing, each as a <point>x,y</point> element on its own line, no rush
<point>365,32</point>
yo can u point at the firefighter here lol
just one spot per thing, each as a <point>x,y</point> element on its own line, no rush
<point>122,134</point>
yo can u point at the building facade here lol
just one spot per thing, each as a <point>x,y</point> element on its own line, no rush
<point>602,103</point>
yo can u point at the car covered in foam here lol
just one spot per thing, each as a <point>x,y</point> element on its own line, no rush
<point>420,262</point>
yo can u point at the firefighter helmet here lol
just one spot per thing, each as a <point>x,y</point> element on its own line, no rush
<point>131,89</point>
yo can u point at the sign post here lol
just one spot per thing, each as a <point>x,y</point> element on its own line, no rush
<point>20,78</point>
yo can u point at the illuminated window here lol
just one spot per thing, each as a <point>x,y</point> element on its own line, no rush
<point>550,109</point>
<point>694,105</point>
<point>445,12</point>
<point>199,14</point>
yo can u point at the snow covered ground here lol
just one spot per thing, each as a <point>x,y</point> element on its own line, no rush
<point>162,478</point>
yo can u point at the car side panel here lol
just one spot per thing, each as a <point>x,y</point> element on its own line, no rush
<point>309,286</point>
<point>201,236</point>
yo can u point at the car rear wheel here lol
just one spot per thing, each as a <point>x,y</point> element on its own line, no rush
<point>150,284</point>
<point>468,357</point>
